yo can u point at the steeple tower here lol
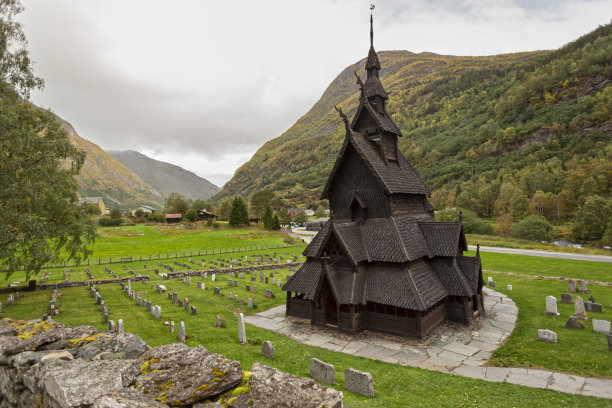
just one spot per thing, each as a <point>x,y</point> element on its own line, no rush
<point>374,90</point>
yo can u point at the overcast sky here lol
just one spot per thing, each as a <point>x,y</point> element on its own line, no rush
<point>204,84</point>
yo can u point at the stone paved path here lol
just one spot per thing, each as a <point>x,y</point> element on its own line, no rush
<point>451,349</point>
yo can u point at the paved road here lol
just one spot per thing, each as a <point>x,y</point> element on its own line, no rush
<point>546,254</point>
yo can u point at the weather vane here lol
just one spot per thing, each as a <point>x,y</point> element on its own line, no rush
<point>372,7</point>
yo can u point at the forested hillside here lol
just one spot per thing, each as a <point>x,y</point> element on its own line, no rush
<point>501,135</point>
<point>165,177</point>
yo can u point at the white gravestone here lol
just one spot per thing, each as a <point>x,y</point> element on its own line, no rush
<point>551,306</point>
<point>120,329</point>
<point>181,332</point>
<point>547,336</point>
<point>241,330</point>
<point>601,326</point>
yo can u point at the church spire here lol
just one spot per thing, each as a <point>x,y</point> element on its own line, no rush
<point>373,87</point>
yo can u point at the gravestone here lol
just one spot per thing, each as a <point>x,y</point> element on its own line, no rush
<point>567,298</point>
<point>267,349</point>
<point>601,326</point>
<point>180,302</point>
<point>510,287</point>
<point>229,296</point>
<point>241,275</point>
<point>273,281</point>
<point>597,308</point>
<point>157,312</point>
<point>120,329</point>
<point>359,382</point>
<point>609,337</point>
<point>194,310</point>
<point>322,372</point>
<point>582,288</point>
<point>248,288</point>
<point>174,297</point>
<point>253,279</point>
<point>571,286</point>
<point>186,304</point>
<point>547,336</point>
<point>241,330</point>
<point>573,323</point>
<point>172,327</point>
<point>254,290</point>
<point>492,284</point>
<point>111,326</point>
<point>218,321</point>
<point>217,290</point>
<point>489,279</point>
<point>235,298</point>
<point>213,277</point>
<point>44,317</point>
<point>267,281</point>
<point>169,296</point>
<point>279,283</point>
<point>129,285</point>
<point>588,306</point>
<point>579,310</point>
<point>250,300</point>
<point>551,306</point>
<point>181,332</point>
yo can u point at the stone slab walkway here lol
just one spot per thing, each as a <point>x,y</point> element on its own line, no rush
<point>451,349</point>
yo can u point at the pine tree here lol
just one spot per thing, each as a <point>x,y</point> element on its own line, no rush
<point>276,223</point>
<point>238,213</point>
<point>267,218</point>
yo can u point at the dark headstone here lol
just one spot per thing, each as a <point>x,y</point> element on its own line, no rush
<point>609,337</point>
<point>597,308</point>
<point>591,299</point>
<point>567,298</point>
<point>573,323</point>
<point>492,284</point>
<point>588,306</point>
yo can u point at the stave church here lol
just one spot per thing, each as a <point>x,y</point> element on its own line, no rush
<point>382,262</point>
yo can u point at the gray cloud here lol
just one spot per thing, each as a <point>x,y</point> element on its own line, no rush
<point>204,84</point>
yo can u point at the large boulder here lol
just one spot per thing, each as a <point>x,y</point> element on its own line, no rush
<point>179,375</point>
<point>76,383</point>
<point>273,388</point>
<point>127,398</point>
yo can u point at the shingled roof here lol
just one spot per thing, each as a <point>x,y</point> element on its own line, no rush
<point>306,279</point>
<point>401,238</point>
<point>444,238</point>
<point>396,178</point>
<point>384,122</point>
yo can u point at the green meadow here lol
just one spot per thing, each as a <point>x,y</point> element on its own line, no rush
<point>578,351</point>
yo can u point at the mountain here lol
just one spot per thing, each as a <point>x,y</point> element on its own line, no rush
<point>104,176</point>
<point>474,128</point>
<point>166,177</point>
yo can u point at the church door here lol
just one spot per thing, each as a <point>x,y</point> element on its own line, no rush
<point>331,309</point>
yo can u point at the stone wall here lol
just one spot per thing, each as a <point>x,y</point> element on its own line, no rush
<point>182,274</point>
<point>63,285</point>
<point>44,364</point>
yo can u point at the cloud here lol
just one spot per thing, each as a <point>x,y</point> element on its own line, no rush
<point>205,84</point>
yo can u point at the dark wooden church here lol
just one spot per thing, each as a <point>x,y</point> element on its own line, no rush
<point>382,262</point>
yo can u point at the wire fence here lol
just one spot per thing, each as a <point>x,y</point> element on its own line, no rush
<point>158,257</point>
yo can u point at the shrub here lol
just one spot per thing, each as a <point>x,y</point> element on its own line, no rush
<point>110,222</point>
<point>471,223</point>
<point>533,227</point>
<point>191,215</point>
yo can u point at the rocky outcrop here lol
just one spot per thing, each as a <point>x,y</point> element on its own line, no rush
<point>44,364</point>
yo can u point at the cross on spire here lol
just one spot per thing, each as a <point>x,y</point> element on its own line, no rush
<point>371,25</point>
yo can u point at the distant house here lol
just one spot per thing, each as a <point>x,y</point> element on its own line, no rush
<point>294,211</point>
<point>99,201</point>
<point>145,209</point>
<point>204,215</point>
<point>173,218</point>
<point>309,213</point>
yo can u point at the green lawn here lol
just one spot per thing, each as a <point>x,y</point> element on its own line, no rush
<point>581,352</point>
<point>536,265</point>
<point>396,386</point>
<point>510,242</point>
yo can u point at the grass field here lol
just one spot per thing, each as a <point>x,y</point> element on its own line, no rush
<point>535,265</point>
<point>509,242</point>
<point>396,386</point>
<point>579,351</point>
